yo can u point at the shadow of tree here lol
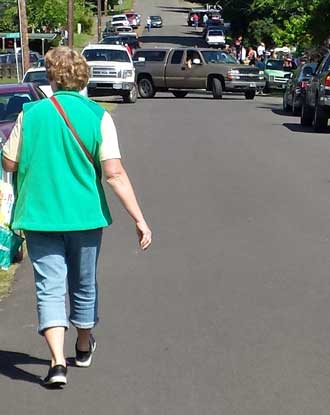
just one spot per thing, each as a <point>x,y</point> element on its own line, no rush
<point>187,41</point>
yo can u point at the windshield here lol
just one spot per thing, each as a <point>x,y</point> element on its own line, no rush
<point>11,104</point>
<point>275,65</point>
<point>118,18</point>
<point>39,76</point>
<point>106,55</point>
<point>216,56</point>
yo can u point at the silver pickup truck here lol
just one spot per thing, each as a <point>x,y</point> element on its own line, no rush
<point>182,70</point>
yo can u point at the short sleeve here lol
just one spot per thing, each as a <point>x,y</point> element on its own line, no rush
<point>12,148</point>
<point>109,148</point>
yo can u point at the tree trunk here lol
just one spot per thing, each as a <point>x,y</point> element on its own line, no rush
<point>24,36</point>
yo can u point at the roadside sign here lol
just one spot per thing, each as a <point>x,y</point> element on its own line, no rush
<point>15,35</point>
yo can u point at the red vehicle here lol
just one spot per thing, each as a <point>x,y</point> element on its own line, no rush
<point>12,99</point>
<point>133,19</point>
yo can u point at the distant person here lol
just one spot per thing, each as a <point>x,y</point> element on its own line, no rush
<point>61,204</point>
<point>261,49</point>
<point>195,20</point>
<point>205,19</point>
<point>148,23</point>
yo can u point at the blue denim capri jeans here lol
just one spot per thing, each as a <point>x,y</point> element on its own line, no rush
<point>61,260</point>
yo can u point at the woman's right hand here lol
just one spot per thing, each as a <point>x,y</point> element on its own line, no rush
<point>144,234</point>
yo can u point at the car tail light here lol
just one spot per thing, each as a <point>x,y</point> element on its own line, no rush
<point>327,81</point>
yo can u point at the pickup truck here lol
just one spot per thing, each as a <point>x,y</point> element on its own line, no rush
<point>183,69</point>
<point>316,99</point>
<point>111,71</point>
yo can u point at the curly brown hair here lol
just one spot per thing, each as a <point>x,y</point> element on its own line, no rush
<point>67,68</point>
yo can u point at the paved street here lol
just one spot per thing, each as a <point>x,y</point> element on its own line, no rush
<point>228,313</point>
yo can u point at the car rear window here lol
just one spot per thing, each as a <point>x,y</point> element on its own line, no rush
<point>215,33</point>
<point>151,55</point>
<point>106,55</point>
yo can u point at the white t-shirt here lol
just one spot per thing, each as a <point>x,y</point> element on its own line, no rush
<point>109,148</point>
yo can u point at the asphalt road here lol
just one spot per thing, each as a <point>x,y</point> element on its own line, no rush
<point>228,313</point>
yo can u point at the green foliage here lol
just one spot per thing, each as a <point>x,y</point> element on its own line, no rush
<point>49,13</point>
<point>300,23</point>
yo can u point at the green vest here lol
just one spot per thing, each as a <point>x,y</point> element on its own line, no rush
<point>58,188</point>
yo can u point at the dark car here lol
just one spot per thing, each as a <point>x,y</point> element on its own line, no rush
<point>12,99</point>
<point>293,94</point>
<point>121,40</point>
<point>109,31</point>
<point>156,21</point>
<point>315,109</point>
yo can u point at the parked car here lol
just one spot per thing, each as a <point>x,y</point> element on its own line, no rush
<point>215,37</point>
<point>316,99</point>
<point>134,19</point>
<point>276,75</point>
<point>112,71</point>
<point>292,98</point>
<point>185,69</point>
<point>156,21</point>
<point>109,31</point>
<point>132,42</point>
<point>125,29</point>
<point>12,99</point>
<point>10,58</point>
<point>39,77</point>
<point>119,20</point>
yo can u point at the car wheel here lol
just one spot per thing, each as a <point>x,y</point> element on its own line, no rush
<point>267,88</point>
<point>179,94</point>
<point>131,96</point>
<point>296,110</point>
<point>286,106</point>
<point>306,117</point>
<point>320,121</point>
<point>91,92</point>
<point>216,88</point>
<point>250,94</point>
<point>146,88</point>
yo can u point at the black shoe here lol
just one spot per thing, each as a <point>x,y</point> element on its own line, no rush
<point>84,359</point>
<point>56,376</point>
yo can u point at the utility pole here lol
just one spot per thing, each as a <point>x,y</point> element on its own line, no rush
<point>106,7</point>
<point>24,35</point>
<point>70,23</point>
<point>99,13</point>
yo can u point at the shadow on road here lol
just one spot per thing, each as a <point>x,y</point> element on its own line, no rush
<point>175,9</point>
<point>189,41</point>
<point>298,128</point>
<point>9,362</point>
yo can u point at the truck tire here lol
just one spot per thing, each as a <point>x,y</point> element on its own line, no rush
<point>306,117</point>
<point>131,96</point>
<point>179,94</point>
<point>216,88</point>
<point>91,92</point>
<point>146,88</point>
<point>286,106</point>
<point>250,94</point>
<point>320,121</point>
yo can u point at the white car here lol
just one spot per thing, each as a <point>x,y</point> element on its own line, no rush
<point>125,29</point>
<point>39,76</point>
<point>112,71</point>
<point>215,37</point>
<point>119,20</point>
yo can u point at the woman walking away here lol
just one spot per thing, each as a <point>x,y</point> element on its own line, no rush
<point>59,155</point>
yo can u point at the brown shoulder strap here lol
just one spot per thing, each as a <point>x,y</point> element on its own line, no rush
<point>71,128</point>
